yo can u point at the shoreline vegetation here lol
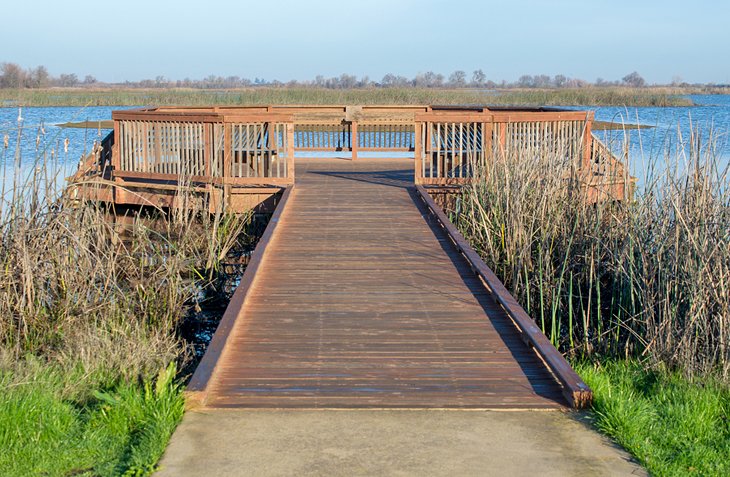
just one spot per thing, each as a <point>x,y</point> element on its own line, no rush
<point>634,294</point>
<point>585,96</point>
<point>93,314</point>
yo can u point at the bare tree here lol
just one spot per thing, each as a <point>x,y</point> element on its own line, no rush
<point>39,77</point>
<point>389,80</point>
<point>526,81</point>
<point>12,76</point>
<point>457,79</point>
<point>541,81</point>
<point>68,79</point>
<point>347,81</point>
<point>634,79</point>
<point>478,78</point>
<point>559,81</point>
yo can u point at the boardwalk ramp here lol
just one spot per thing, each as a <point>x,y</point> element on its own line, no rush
<point>359,297</point>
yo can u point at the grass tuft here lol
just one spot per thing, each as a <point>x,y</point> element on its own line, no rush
<point>674,427</point>
<point>646,278</point>
<point>122,430</point>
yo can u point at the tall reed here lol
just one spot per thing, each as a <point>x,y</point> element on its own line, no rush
<point>649,277</point>
<point>619,96</point>
<point>80,286</point>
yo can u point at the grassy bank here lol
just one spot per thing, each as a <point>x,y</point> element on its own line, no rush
<point>283,95</point>
<point>91,314</point>
<point>672,426</point>
<point>49,426</point>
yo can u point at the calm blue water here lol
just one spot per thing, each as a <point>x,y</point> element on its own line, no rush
<point>671,127</point>
<point>42,138</point>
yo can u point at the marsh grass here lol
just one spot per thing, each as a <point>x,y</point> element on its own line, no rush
<point>589,96</point>
<point>648,278</point>
<point>90,313</point>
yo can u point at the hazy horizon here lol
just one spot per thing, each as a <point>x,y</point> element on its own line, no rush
<point>663,41</point>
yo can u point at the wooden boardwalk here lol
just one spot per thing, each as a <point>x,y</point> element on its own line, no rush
<point>362,301</point>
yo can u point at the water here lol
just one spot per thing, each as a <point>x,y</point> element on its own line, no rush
<point>670,127</point>
<point>42,138</point>
<point>43,141</point>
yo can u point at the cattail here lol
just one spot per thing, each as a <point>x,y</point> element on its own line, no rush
<point>6,141</point>
<point>65,145</point>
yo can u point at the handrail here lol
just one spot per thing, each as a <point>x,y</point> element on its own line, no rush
<point>577,392</point>
<point>240,148</point>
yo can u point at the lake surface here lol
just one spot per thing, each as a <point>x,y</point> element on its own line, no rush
<point>670,128</point>
<point>42,139</point>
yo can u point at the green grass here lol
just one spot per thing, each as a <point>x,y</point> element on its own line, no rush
<point>116,430</point>
<point>671,425</point>
<point>301,95</point>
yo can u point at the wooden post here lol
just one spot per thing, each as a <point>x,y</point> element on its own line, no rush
<point>208,162</point>
<point>587,141</point>
<point>487,132</point>
<point>145,146</point>
<point>158,142</point>
<point>227,161</point>
<point>117,148</point>
<point>502,137</point>
<point>290,151</point>
<point>271,146</point>
<point>353,139</point>
<point>418,153</point>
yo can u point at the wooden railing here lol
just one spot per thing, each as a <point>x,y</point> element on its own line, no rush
<point>452,145</point>
<point>255,146</point>
<point>253,149</point>
<point>607,177</point>
<point>385,136</point>
<point>321,136</point>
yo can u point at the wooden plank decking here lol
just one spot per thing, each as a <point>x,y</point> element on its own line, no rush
<point>362,301</point>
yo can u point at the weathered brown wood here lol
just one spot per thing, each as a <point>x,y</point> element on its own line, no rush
<point>587,142</point>
<point>575,390</point>
<point>198,387</point>
<point>418,154</point>
<point>362,302</point>
<point>195,143</point>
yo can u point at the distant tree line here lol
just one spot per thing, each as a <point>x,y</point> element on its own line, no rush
<point>13,75</point>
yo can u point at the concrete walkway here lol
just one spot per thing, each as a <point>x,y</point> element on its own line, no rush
<point>388,442</point>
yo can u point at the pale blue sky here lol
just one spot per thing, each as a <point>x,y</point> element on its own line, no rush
<point>285,39</point>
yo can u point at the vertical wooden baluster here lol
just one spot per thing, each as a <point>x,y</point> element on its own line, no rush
<point>587,141</point>
<point>290,152</point>
<point>418,151</point>
<point>461,145</point>
<point>354,139</point>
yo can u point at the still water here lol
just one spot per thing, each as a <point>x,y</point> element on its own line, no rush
<point>670,130</point>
